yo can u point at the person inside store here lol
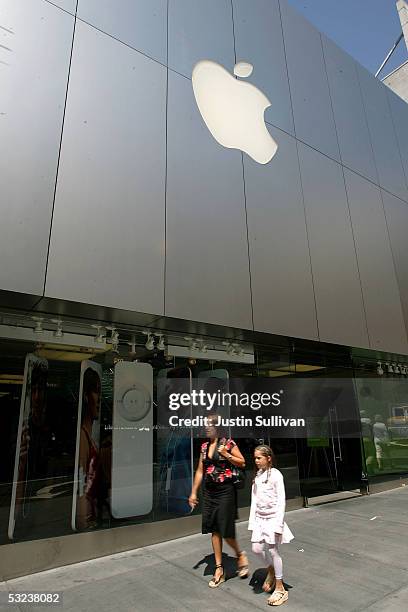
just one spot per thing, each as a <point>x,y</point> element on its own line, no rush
<point>381,441</point>
<point>215,474</point>
<point>368,442</point>
<point>89,458</point>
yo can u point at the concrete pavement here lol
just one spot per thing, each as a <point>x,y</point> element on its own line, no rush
<point>349,555</point>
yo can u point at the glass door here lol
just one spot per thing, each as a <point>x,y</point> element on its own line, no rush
<point>330,459</point>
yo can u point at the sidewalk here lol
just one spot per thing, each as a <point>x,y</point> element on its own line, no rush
<point>348,555</point>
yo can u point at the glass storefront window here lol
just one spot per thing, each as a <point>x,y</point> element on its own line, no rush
<point>78,455</point>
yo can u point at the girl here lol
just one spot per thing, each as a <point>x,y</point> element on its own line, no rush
<point>266,521</point>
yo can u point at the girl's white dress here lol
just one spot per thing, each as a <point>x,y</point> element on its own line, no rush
<point>268,508</point>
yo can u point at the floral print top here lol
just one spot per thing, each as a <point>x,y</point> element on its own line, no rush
<point>217,469</point>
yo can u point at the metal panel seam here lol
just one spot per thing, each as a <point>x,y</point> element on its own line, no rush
<point>60,148</point>
<point>300,171</point>
<point>346,191</point>
<point>243,185</point>
<point>165,169</point>
<point>381,195</point>
<point>396,138</point>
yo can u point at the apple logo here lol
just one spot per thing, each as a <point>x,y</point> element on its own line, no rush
<point>233,110</point>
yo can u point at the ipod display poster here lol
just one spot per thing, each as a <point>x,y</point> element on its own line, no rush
<point>174,447</point>
<point>87,489</point>
<point>132,440</point>
<point>31,445</point>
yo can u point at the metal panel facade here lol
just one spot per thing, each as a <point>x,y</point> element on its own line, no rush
<point>385,320</point>
<point>207,271</point>
<point>399,113</point>
<point>351,123</point>
<point>397,218</point>
<point>200,30</point>
<point>259,40</point>
<point>67,5</point>
<point>142,24</point>
<point>314,123</point>
<point>107,241</point>
<point>132,130</point>
<point>386,153</point>
<point>36,40</point>
<point>281,279</point>
<point>340,311</point>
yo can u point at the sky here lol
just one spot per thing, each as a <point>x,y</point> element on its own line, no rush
<point>366,29</point>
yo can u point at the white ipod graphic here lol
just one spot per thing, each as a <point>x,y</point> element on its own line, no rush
<point>132,440</point>
<point>233,110</point>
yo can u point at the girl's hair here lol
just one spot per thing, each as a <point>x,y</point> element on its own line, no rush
<point>266,451</point>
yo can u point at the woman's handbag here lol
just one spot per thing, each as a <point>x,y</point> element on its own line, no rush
<point>238,477</point>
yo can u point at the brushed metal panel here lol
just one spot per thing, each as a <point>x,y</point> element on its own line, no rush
<point>200,30</point>
<point>142,24</point>
<point>352,129</point>
<point>340,311</point>
<point>259,40</point>
<point>67,5</point>
<point>386,153</point>
<point>399,112</point>
<point>397,218</point>
<point>385,319</point>
<point>207,270</point>
<point>35,44</point>
<point>107,241</point>
<point>281,280</point>
<point>314,122</point>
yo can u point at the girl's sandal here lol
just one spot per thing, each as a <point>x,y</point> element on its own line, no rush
<point>215,582</point>
<point>243,570</point>
<point>269,583</point>
<point>278,598</point>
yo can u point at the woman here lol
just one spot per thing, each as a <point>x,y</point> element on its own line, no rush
<point>89,459</point>
<point>217,457</point>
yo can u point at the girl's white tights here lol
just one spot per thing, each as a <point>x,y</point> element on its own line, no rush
<point>270,555</point>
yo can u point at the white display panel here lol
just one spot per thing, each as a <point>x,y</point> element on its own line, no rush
<point>132,440</point>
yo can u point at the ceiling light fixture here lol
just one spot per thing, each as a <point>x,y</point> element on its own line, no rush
<point>150,340</point>
<point>115,340</point>
<point>230,347</point>
<point>202,347</point>
<point>38,329</point>
<point>58,332</point>
<point>193,343</point>
<point>160,344</point>
<point>380,370</point>
<point>132,345</point>
<point>100,337</point>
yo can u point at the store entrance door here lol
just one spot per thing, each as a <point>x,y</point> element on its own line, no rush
<point>331,466</point>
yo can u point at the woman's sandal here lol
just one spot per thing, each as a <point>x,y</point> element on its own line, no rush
<point>278,598</point>
<point>269,583</point>
<point>215,582</point>
<point>243,570</point>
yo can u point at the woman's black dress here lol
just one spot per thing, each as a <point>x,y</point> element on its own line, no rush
<point>219,494</point>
